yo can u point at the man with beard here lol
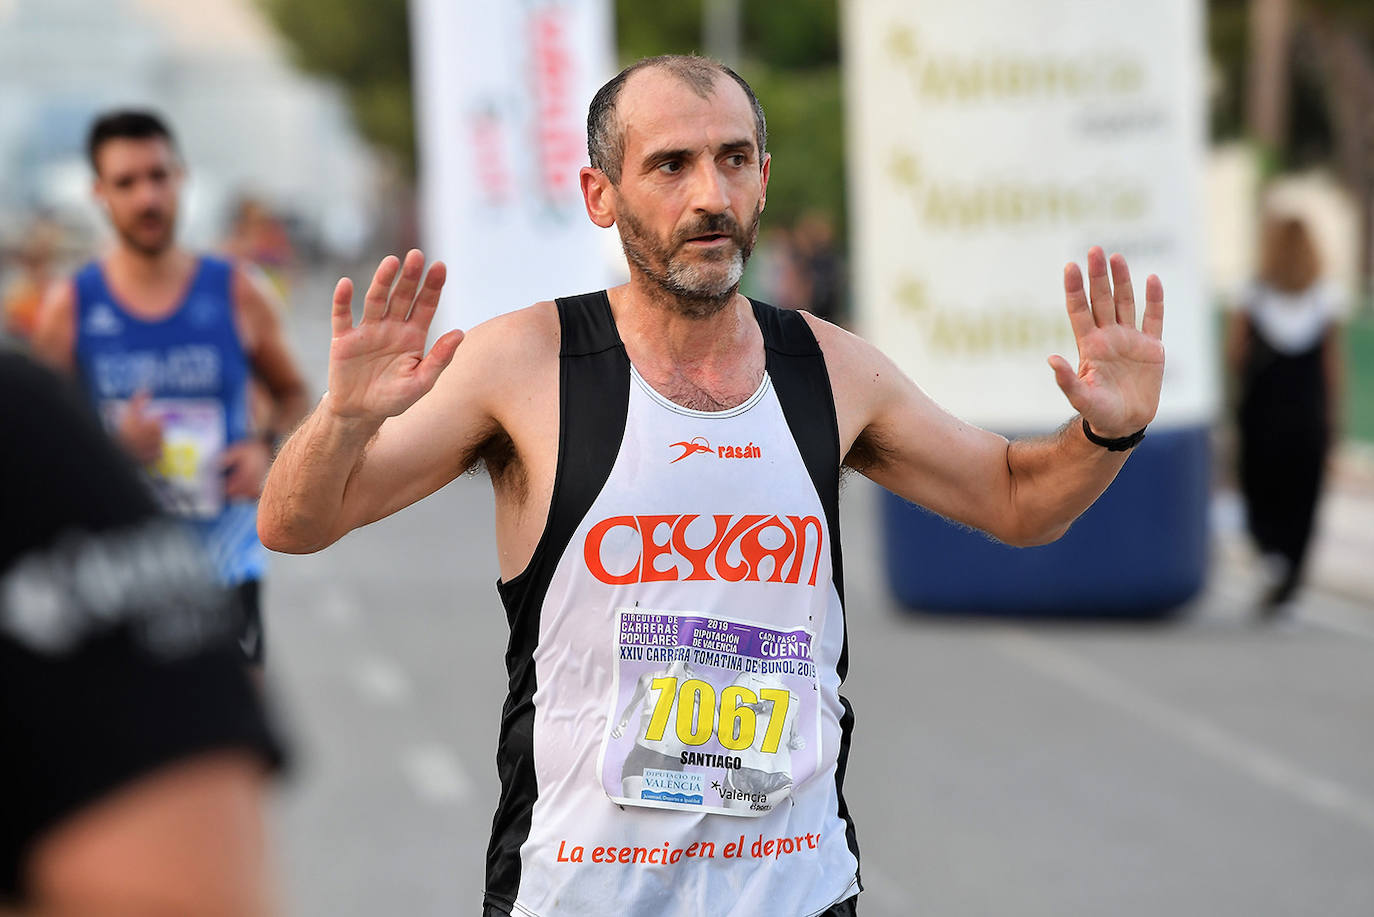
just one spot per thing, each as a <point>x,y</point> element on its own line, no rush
<point>165,343</point>
<point>618,552</point>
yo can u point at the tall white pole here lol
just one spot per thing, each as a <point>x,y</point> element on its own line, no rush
<point>720,30</point>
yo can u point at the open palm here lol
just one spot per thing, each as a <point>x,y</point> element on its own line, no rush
<point>379,367</point>
<point>1120,368</point>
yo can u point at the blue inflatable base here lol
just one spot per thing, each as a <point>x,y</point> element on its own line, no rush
<point>1140,551</point>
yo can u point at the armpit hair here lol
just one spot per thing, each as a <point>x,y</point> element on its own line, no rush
<point>497,457</point>
<point>869,451</point>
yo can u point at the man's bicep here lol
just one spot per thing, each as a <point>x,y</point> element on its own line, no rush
<point>904,441</point>
<point>261,329</point>
<point>928,456</point>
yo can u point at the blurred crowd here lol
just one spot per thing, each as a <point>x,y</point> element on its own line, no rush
<point>802,267</point>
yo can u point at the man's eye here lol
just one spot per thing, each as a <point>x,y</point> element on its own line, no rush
<point>670,167</point>
<point>736,159</point>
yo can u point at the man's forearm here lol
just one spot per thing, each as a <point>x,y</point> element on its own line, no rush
<point>304,497</point>
<point>1054,479</point>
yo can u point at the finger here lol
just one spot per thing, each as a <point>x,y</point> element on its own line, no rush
<point>1100,288</point>
<point>440,356</point>
<point>1066,378</point>
<point>1122,292</point>
<point>1154,308</point>
<point>428,300</point>
<point>139,403</point>
<point>1076,301</point>
<point>341,318</point>
<point>411,270</point>
<point>374,303</point>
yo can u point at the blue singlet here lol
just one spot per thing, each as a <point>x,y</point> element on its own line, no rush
<point>193,365</point>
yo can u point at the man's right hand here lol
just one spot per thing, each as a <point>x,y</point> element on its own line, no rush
<point>379,368</point>
<point>139,431</point>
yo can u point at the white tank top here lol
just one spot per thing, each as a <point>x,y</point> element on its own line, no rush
<point>685,723</point>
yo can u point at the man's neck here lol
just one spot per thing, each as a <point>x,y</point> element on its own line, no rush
<point>660,333</point>
<point>141,269</point>
<point>151,286</point>
<point>707,363</point>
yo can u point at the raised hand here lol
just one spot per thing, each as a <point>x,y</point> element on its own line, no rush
<point>380,368</point>
<point>1120,367</point>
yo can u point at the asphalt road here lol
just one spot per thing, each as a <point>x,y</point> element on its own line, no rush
<point>1202,767</point>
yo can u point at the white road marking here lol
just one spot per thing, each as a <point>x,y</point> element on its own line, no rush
<point>436,774</point>
<point>382,682</point>
<point>1259,763</point>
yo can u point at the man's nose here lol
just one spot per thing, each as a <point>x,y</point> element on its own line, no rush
<point>709,192</point>
<point>151,193</point>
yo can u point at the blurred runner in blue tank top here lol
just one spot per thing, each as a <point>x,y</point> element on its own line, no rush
<point>165,342</point>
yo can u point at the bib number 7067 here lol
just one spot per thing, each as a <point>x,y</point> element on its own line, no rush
<point>696,713</point>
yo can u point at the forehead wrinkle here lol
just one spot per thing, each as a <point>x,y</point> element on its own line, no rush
<point>679,130</point>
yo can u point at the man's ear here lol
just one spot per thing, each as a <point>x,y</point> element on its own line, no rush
<point>765,170</point>
<point>599,195</point>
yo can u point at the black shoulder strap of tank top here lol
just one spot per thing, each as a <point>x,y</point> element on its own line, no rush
<point>593,403</point>
<point>797,368</point>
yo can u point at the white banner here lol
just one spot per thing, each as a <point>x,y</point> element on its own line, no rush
<point>990,142</point>
<point>501,101</point>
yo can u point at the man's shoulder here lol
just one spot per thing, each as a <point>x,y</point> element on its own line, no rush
<point>847,356</point>
<point>517,338</point>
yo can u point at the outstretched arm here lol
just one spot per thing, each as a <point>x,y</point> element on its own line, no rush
<point>316,491</point>
<point>1030,491</point>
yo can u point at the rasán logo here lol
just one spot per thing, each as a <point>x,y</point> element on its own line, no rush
<point>666,548</point>
<point>699,444</point>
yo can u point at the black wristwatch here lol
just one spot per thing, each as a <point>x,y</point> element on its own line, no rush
<point>1123,444</point>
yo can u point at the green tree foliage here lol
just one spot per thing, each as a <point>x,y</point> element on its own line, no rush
<point>365,45</point>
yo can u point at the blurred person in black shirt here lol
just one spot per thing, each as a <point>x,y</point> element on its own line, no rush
<point>1285,351</point>
<point>135,749</point>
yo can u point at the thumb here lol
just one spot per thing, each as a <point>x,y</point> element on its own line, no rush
<point>139,403</point>
<point>1066,378</point>
<point>441,355</point>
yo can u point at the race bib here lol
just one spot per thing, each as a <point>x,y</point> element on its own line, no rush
<point>709,714</point>
<point>187,477</point>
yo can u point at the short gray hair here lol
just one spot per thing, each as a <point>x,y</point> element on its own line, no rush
<point>606,137</point>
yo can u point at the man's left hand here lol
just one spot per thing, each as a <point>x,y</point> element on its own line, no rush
<point>1120,367</point>
<point>245,468</point>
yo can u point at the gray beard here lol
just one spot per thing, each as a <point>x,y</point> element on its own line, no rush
<point>693,290</point>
